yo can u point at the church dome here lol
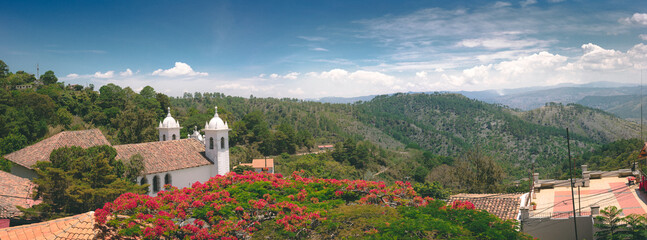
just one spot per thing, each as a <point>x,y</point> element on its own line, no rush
<point>215,123</point>
<point>169,121</point>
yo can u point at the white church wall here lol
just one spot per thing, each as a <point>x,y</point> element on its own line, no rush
<point>180,178</point>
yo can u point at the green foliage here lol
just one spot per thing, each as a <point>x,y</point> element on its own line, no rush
<point>48,78</point>
<point>77,180</point>
<point>133,168</point>
<point>479,173</point>
<point>242,169</point>
<point>613,156</point>
<point>5,165</point>
<point>609,223</point>
<point>434,190</point>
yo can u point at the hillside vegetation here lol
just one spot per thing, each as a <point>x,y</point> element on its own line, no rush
<point>593,123</point>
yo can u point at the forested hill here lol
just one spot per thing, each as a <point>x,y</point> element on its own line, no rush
<point>593,123</point>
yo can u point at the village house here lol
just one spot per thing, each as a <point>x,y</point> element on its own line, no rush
<point>261,165</point>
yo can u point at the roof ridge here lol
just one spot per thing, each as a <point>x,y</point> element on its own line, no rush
<point>158,142</point>
<point>78,217</point>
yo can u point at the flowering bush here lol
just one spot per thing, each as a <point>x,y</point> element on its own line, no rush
<point>237,206</point>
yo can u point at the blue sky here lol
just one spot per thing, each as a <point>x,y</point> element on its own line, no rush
<point>311,49</point>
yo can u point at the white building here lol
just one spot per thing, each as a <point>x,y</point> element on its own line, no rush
<point>171,160</point>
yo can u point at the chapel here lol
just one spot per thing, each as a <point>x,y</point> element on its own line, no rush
<point>171,160</point>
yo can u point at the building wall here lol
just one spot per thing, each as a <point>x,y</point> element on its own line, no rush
<point>24,172</point>
<point>180,178</point>
<point>558,229</point>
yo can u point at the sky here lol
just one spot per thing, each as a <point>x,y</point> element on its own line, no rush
<point>312,49</point>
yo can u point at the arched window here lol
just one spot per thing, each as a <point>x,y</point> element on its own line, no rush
<point>143,181</point>
<point>167,179</point>
<point>222,143</point>
<point>164,137</point>
<point>156,184</point>
<point>173,136</point>
<point>211,143</point>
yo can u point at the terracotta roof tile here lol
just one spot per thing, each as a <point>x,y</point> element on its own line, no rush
<point>263,163</point>
<point>75,227</point>
<point>504,206</point>
<point>14,191</point>
<point>167,155</point>
<point>40,151</point>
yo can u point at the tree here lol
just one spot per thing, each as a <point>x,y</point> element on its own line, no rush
<point>147,92</point>
<point>610,223</point>
<point>4,69</point>
<point>479,173</point>
<point>77,180</point>
<point>48,78</point>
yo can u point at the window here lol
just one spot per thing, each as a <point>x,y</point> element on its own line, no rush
<point>210,143</point>
<point>143,181</point>
<point>167,179</point>
<point>222,143</point>
<point>173,136</point>
<point>156,184</point>
<point>164,137</point>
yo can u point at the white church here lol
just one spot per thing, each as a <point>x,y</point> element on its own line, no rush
<point>171,160</point>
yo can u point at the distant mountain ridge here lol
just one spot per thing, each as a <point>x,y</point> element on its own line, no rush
<point>533,97</point>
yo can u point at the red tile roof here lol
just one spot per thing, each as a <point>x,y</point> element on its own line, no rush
<point>504,206</point>
<point>15,191</point>
<point>263,163</point>
<point>75,227</point>
<point>167,155</point>
<point>40,151</point>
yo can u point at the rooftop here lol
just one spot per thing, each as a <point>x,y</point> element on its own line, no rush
<point>606,191</point>
<point>14,191</point>
<point>75,227</point>
<point>40,151</point>
<point>167,155</point>
<point>504,206</point>
<point>263,163</point>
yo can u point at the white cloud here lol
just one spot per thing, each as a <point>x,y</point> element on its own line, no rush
<point>637,18</point>
<point>262,75</point>
<point>500,4</point>
<point>292,75</point>
<point>108,74</point>
<point>421,74</point>
<point>274,76</point>
<point>313,38</point>
<point>126,73</point>
<point>439,70</point>
<point>319,49</point>
<point>643,36</point>
<point>334,74</point>
<point>528,3</point>
<point>533,63</point>
<point>500,43</point>
<point>180,69</point>
<point>72,75</point>
<point>372,77</point>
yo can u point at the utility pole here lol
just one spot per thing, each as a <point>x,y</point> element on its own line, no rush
<point>568,143</point>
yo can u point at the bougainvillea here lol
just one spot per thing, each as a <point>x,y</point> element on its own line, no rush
<point>237,206</point>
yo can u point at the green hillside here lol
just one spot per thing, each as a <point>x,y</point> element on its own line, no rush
<point>623,106</point>
<point>592,123</point>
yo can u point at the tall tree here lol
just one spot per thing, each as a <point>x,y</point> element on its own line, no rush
<point>479,173</point>
<point>49,78</point>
